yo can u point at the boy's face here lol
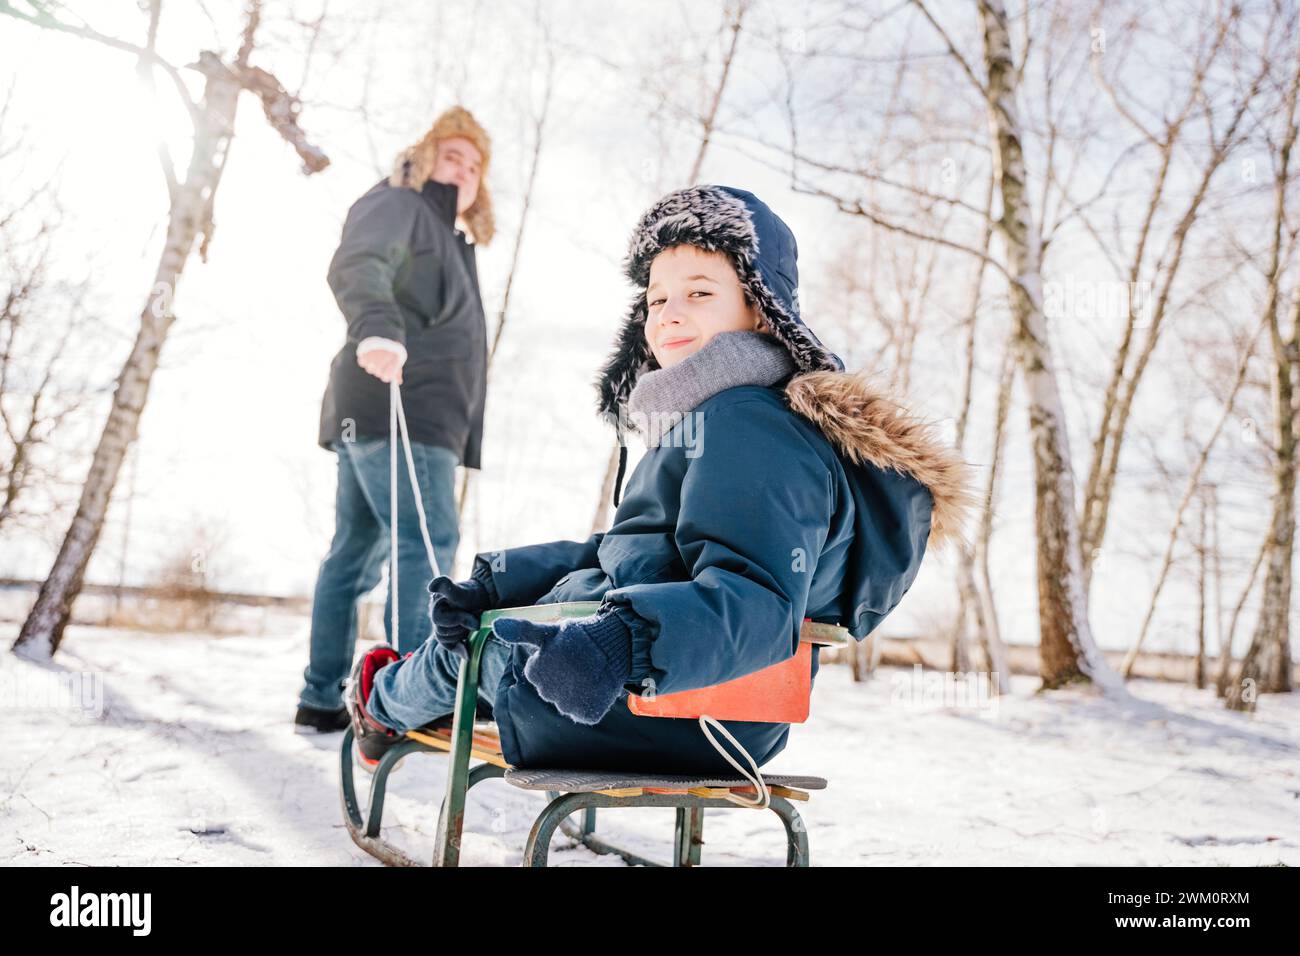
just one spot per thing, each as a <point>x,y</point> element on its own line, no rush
<point>459,164</point>
<point>692,296</point>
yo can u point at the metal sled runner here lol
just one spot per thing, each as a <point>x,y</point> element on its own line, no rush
<point>777,693</point>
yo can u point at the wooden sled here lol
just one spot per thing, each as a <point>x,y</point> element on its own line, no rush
<point>779,693</point>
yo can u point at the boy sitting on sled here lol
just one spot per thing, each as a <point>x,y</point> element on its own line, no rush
<point>775,487</point>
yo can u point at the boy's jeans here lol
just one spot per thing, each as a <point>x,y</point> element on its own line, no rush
<point>360,547</point>
<point>412,692</point>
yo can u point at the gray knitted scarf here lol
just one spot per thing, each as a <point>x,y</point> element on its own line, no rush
<point>663,397</point>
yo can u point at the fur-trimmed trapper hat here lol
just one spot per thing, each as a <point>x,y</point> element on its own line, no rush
<point>761,248</point>
<point>414,165</point>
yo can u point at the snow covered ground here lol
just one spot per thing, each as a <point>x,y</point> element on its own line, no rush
<point>165,749</point>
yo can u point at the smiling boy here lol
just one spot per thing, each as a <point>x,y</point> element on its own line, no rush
<point>816,497</point>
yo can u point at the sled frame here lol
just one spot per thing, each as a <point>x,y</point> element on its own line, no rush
<point>467,740</point>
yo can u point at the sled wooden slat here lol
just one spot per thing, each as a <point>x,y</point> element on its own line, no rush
<point>486,744</point>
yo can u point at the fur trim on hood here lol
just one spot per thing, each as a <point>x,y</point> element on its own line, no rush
<point>414,165</point>
<point>869,426</point>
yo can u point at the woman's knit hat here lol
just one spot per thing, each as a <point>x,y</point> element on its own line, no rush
<point>761,248</point>
<point>414,165</point>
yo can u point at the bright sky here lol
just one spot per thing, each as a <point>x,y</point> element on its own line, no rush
<point>228,451</point>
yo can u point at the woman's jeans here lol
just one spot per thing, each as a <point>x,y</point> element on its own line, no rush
<point>362,544</point>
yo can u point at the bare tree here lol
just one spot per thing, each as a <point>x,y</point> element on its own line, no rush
<point>706,122</point>
<point>1266,666</point>
<point>1225,647</point>
<point>1197,102</point>
<point>42,317</point>
<point>1067,651</point>
<point>189,222</point>
<point>1190,491</point>
<point>972,606</point>
<point>995,651</point>
<point>1201,551</point>
<point>38,393</point>
<point>537,120</point>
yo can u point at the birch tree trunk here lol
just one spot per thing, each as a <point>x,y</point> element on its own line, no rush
<point>1067,651</point>
<point>970,605</point>
<point>42,631</point>
<point>189,218</point>
<point>995,651</point>
<point>1225,646</point>
<point>1266,665</point>
<point>1200,602</point>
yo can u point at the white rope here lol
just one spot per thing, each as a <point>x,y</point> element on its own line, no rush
<point>398,433</point>
<point>410,470</point>
<point>756,778</point>
<point>392,510</point>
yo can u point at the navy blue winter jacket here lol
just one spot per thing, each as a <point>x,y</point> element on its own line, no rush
<point>815,498</point>
<point>823,513</point>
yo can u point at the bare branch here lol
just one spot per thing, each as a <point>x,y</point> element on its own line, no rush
<point>855,208</point>
<point>952,50</point>
<point>46,21</point>
<point>145,69</point>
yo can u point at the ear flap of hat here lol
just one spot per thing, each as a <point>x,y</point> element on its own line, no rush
<point>631,356</point>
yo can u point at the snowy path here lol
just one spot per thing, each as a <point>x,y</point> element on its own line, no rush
<point>192,761</point>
